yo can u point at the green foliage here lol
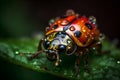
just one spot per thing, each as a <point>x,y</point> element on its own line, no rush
<point>102,66</point>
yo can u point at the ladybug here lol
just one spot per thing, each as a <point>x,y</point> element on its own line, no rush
<point>71,34</point>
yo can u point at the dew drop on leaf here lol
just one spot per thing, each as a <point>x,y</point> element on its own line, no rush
<point>118,62</point>
<point>35,63</point>
<point>16,52</point>
<point>65,72</point>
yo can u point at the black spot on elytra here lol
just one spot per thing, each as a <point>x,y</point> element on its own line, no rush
<point>88,26</point>
<point>77,33</point>
<point>55,26</point>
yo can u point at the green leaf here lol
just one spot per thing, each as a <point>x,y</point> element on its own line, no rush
<point>105,66</point>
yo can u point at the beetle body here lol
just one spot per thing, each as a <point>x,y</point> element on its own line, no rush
<point>70,34</point>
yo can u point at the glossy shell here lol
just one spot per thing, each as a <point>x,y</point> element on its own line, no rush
<point>82,30</point>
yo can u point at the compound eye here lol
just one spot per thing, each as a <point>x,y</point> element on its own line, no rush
<point>61,48</point>
<point>46,44</point>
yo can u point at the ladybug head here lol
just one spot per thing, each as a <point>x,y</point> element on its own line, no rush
<point>57,43</point>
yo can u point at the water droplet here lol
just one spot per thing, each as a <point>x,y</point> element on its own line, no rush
<point>85,74</point>
<point>78,76</point>
<point>70,12</point>
<point>65,72</point>
<point>106,67</point>
<point>51,21</point>
<point>71,74</point>
<point>16,52</point>
<point>72,28</point>
<point>94,69</point>
<point>64,22</point>
<point>118,62</point>
<point>94,48</point>
<point>37,67</point>
<point>34,63</point>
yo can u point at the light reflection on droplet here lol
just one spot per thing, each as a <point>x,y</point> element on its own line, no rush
<point>106,67</point>
<point>34,63</point>
<point>118,62</point>
<point>65,72</point>
<point>16,52</point>
<point>94,69</point>
<point>94,48</point>
<point>37,67</point>
<point>71,74</point>
<point>78,76</point>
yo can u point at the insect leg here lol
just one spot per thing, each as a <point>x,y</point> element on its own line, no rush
<point>58,60</point>
<point>39,51</point>
<point>40,45</point>
<point>86,62</point>
<point>77,62</point>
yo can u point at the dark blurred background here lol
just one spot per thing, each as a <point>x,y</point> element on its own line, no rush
<point>20,18</point>
<point>23,18</point>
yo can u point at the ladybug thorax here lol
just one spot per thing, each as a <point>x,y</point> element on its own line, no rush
<point>60,42</point>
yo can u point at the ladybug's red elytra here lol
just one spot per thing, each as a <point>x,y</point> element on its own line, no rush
<point>70,34</point>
